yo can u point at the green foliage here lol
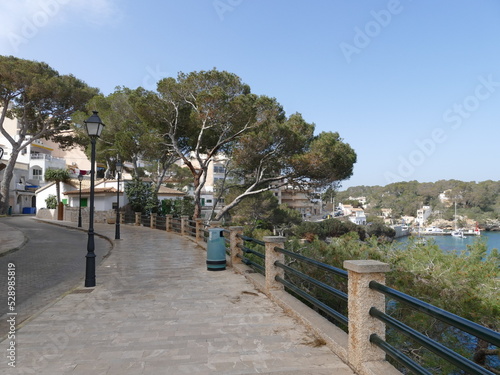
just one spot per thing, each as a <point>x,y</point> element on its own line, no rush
<point>327,228</point>
<point>43,102</point>
<point>142,196</point>
<point>463,283</point>
<point>177,207</point>
<point>263,211</point>
<point>57,176</point>
<point>380,230</point>
<point>51,201</point>
<point>479,201</point>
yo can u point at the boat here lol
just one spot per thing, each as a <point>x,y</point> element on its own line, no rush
<point>477,231</point>
<point>457,232</point>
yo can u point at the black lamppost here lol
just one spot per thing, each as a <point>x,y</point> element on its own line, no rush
<point>118,168</point>
<point>80,178</point>
<point>94,128</point>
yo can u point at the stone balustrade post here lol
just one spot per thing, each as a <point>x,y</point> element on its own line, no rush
<point>234,244</point>
<point>137,218</point>
<point>215,224</point>
<point>199,230</point>
<point>361,299</point>
<point>152,220</point>
<point>184,223</point>
<point>168,222</point>
<point>272,256</point>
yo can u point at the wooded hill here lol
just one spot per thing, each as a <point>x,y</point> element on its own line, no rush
<point>479,201</point>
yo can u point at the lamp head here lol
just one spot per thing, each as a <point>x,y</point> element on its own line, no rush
<point>94,125</point>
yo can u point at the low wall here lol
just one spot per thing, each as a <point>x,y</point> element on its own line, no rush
<point>71,214</point>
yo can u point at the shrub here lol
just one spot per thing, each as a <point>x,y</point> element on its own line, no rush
<point>51,201</point>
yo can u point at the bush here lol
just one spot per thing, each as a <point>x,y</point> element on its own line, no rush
<point>51,201</point>
<point>328,228</point>
<point>465,284</point>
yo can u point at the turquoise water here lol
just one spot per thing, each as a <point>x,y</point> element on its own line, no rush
<point>450,243</point>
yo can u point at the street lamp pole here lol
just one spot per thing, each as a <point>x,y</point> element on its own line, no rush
<point>80,178</point>
<point>94,128</point>
<point>118,168</point>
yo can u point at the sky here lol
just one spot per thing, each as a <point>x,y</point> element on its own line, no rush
<point>412,86</point>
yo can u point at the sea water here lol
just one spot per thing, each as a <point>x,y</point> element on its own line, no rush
<point>450,243</point>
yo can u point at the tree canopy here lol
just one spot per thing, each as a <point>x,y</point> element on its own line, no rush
<point>42,101</point>
<point>203,114</point>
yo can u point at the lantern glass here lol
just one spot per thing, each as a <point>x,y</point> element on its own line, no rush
<point>94,125</point>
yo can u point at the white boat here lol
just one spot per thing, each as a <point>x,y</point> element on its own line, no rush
<point>458,233</point>
<point>434,230</point>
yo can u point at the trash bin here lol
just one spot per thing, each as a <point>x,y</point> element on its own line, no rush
<point>10,211</point>
<point>216,250</point>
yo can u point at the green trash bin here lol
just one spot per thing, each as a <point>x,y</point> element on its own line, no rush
<point>216,250</point>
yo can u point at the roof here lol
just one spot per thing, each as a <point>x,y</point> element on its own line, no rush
<point>168,191</point>
<point>104,191</point>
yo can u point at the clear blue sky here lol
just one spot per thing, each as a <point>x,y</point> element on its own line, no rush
<point>412,86</point>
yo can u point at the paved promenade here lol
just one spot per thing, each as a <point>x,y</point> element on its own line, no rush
<point>157,310</point>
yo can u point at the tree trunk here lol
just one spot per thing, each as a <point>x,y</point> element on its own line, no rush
<point>7,178</point>
<point>197,197</point>
<point>60,211</point>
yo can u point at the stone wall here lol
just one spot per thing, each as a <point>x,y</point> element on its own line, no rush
<point>71,214</point>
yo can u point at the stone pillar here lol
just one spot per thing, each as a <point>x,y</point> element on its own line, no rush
<point>152,221</point>
<point>199,230</point>
<point>234,244</point>
<point>184,223</point>
<point>122,218</point>
<point>361,299</point>
<point>215,224</point>
<point>272,256</point>
<point>168,222</point>
<point>137,218</point>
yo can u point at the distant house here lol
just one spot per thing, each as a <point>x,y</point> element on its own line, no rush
<point>386,212</point>
<point>361,200</point>
<point>358,216</point>
<point>346,209</point>
<point>423,214</point>
<point>303,200</point>
<point>168,193</point>
<point>407,220</point>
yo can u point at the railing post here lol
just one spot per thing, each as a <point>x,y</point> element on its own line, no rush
<point>137,218</point>
<point>152,220</point>
<point>168,222</point>
<point>234,244</point>
<point>199,226</point>
<point>361,299</point>
<point>215,224</point>
<point>272,256</point>
<point>184,222</point>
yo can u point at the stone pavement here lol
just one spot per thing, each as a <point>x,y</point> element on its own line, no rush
<point>157,310</point>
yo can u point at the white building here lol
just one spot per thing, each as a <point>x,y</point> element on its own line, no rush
<point>422,215</point>
<point>31,164</point>
<point>357,216</point>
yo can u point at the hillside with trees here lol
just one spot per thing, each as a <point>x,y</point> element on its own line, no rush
<point>478,201</point>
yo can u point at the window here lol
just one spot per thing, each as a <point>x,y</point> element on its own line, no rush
<point>37,174</point>
<point>219,169</point>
